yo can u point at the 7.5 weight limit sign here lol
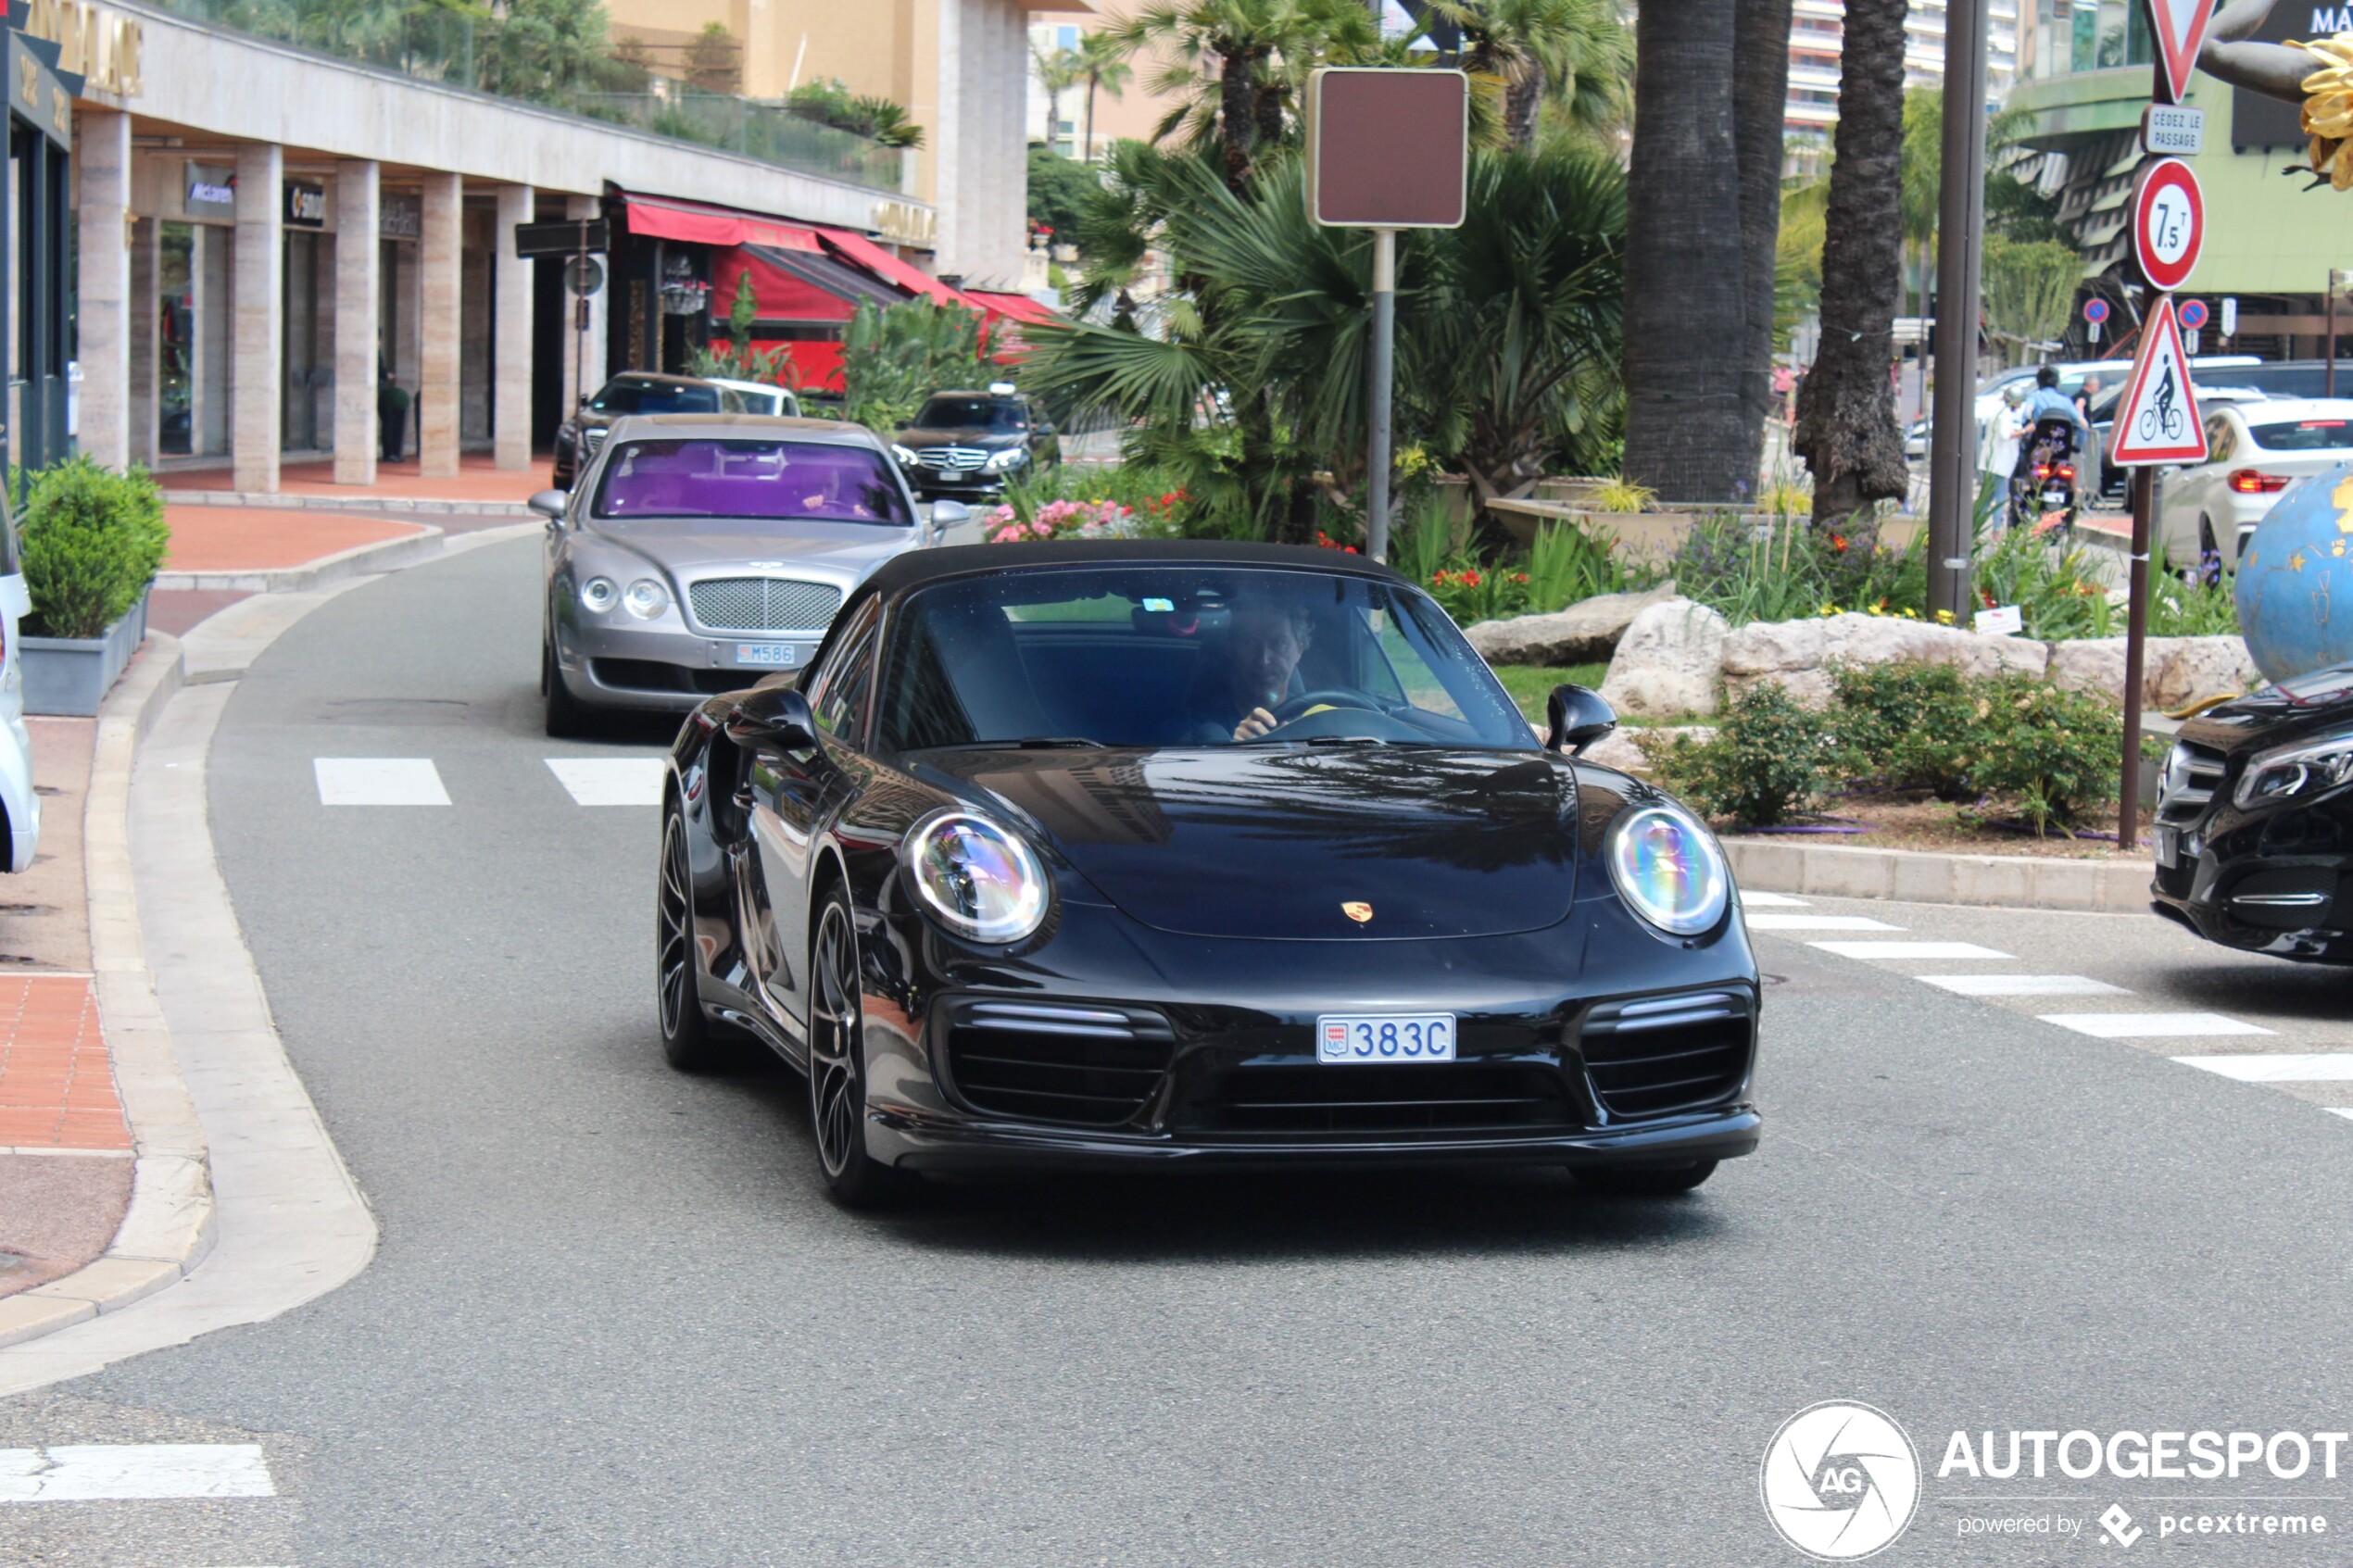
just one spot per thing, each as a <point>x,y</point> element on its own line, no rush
<point>2168,223</point>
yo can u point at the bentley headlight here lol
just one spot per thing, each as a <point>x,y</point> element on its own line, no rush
<point>906,454</point>
<point>646,598</point>
<point>1011,458</point>
<point>1669,870</point>
<point>2306,769</point>
<point>980,879</point>
<point>599,594</point>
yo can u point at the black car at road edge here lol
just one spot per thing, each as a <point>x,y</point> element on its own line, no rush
<point>968,445</point>
<point>2254,828</point>
<point>1394,928</point>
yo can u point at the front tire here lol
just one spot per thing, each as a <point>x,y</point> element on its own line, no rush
<point>688,1043</point>
<point>1617,1182</point>
<point>837,1065</point>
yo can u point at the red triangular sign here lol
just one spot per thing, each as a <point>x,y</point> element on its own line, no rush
<point>2180,29</point>
<point>2157,420</point>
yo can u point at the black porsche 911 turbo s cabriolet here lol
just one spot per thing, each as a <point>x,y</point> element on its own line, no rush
<point>1195,855</point>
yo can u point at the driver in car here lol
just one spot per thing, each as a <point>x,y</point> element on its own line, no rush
<point>1263,645</point>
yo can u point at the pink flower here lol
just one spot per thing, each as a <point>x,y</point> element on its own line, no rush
<point>1041,528</point>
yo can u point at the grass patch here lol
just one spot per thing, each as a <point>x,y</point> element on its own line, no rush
<point>1530,684</point>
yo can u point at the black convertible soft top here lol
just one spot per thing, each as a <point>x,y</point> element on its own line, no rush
<point>913,568</point>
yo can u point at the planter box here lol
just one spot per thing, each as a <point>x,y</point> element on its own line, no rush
<point>71,676</point>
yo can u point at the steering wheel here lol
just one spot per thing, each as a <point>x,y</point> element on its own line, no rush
<point>1291,710</point>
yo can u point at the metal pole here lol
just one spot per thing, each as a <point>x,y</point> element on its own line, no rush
<point>1383,374</point>
<point>2328,376</point>
<point>580,328</point>
<point>2136,626</point>
<point>1960,230</point>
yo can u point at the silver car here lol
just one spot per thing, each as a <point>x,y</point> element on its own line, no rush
<point>701,552</point>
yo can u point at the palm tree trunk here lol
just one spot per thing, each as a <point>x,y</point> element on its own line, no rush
<point>1523,103</point>
<point>1237,114</point>
<point>1846,427</point>
<point>1688,433</point>
<point>1760,103</point>
<point>1091,80</point>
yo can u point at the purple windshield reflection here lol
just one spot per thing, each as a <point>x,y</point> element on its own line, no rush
<point>751,479</point>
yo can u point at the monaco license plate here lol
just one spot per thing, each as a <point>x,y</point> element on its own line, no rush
<point>1384,1036</point>
<point>781,656</point>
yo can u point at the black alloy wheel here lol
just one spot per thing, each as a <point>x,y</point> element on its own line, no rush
<point>837,1064</point>
<point>1639,1182</point>
<point>688,1042</point>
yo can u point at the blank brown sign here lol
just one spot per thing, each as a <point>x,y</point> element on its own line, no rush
<point>1385,148</point>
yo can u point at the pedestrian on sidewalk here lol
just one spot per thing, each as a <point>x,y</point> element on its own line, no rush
<point>392,414</point>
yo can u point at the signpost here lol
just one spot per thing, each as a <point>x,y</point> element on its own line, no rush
<point>2168,223</point>
<point>1387,149</point>
<point>580,239</point>
<point>2181,28</point>
<point>2192,318</point>
<point>2095,312</point>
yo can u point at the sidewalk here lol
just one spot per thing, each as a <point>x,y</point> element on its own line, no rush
<point>399,487</point>
<point>219,554</point>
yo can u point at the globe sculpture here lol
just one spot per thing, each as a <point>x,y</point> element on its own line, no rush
<point>2294,592</point>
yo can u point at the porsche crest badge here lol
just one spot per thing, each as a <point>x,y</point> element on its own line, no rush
<point>1358,912</point>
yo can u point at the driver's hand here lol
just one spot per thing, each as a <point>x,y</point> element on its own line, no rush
<point>1258,722</point>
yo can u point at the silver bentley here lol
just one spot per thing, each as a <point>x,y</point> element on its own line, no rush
<point>701,552</point>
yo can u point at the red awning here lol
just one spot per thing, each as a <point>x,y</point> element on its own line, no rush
<point>882,264</point>
<point>796,286</point>
<point>1020,306</point>
<point>665,218</point>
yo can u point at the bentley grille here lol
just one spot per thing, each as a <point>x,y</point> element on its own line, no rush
<point>763,604</point>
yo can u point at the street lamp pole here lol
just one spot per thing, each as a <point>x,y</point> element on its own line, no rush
<point>1961,231</point>
<point>1383,371</point>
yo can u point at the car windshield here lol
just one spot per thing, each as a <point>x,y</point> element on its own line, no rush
<point>751,479</point>
<point>986,413</point>
<point>655,397</point>
<point>2304,435</point>
<point>1154,655</point>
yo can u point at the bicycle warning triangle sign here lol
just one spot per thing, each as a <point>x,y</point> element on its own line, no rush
<point>2157,420</point>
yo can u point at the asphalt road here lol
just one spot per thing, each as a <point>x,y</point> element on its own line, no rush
<point>615,1320</point>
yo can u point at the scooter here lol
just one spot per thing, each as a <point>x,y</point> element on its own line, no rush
<point>2042,497</point>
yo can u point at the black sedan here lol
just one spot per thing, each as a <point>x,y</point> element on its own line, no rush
<point>2254,830</point>
<point>633,391</point>
<point>1201,855</point>
<point>968,445</point>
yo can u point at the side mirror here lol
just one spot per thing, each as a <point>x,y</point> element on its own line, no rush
<point>946,515</point>
<point>550,504</point>
<point>1575,718</point>
<point>773,718</point>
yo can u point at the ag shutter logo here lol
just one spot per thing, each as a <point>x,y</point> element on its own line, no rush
<point>1840,1481</point>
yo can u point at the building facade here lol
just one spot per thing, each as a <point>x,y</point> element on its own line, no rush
<point>1816,34</point>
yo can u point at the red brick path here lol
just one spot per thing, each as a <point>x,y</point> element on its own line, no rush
<point>56,1087</point>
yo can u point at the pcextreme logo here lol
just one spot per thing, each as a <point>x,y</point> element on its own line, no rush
<point>1840,1480</point>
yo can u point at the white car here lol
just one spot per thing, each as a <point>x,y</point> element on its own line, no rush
<point>758,397</point>
<point>2254,451</point>
<point>19,806</point>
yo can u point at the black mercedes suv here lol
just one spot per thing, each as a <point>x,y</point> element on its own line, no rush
<point>969,444</point>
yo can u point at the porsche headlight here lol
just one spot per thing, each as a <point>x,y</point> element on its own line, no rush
<point>2288,772</point>
<point>646,598</point>
<point>1011,458</point>
<point>980,879</point>
<point>1669,870</point>
<point>598,595</point>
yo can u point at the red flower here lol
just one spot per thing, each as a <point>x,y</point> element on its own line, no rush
<point>1519,577</point>
<point>1837,542</point>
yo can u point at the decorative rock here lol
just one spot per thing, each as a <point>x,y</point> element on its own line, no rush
<point>1622,747</point>
<point>2091,664</point>
<point>1669,661</point>
<point>1799,655</point>
<point>2175,672</point>
<point>1586,632</point>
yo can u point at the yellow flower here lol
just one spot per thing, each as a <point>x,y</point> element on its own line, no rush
<point>1945,618</point>
<point>1830,609</point>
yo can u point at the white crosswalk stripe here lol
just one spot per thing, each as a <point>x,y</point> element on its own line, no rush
<point>2150,1026</point>
<point>1818,922</point>
<point>610,780</point>
<point>378,781</point>
<point>1910,950</point>
<point>2024,984</point>
<point>134,1472</point>
<point>2264,1067</point>
<point>1771,900</point>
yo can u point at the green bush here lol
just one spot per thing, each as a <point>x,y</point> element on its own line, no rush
<point>2055,750</point>
<point>893,357</point>
<point>92,540</point>
<point>1767,761</point>
<point>1906,725</point>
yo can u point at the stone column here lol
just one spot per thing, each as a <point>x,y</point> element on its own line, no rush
<point>147,289</point>
<point>257,355</point>
<point>510,282</point>
<point>359,307</point>
<point>440,263</point>
<point>589,356</point>
<point>102,164</point>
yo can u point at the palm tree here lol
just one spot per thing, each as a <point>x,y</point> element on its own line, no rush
<point>1059,71</point>
<point>1846,426</point>
<point>1575,53</point>
<point>1238,64</point>
<point>1103,64</point>
<point>1703,215</point>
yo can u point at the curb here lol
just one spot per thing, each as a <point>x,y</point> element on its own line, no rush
<point>344,503</point>
<point>361,560</point>
<point>167,1228</point>
<point>1922,876</point>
